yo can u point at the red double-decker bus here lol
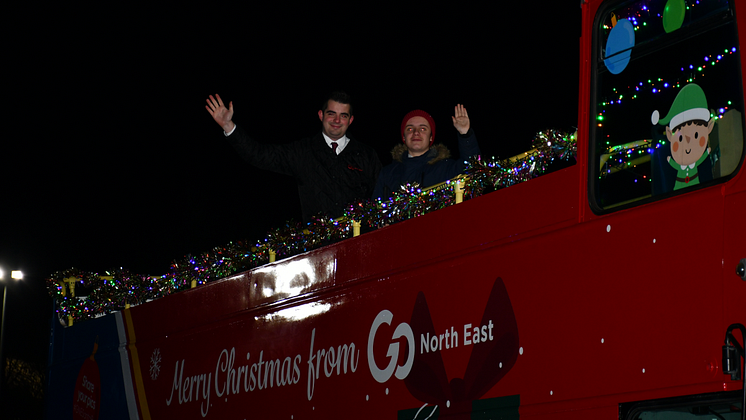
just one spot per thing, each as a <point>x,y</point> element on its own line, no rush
<point>612,288</point>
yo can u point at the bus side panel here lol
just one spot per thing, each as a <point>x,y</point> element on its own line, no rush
<point>603,311</point>
<point>88,373</point>
<point>734,251</point>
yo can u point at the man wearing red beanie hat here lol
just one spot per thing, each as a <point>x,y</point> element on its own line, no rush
<point>418,160</point>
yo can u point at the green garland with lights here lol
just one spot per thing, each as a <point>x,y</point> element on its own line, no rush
<point>116,289</point>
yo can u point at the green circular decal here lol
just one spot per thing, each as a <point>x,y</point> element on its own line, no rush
<point>673,15</point>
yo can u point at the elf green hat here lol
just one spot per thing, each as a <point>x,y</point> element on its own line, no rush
<point>690,104</point>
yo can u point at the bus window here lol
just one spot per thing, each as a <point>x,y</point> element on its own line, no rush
<point>724,405</point>
<point>667,100</point>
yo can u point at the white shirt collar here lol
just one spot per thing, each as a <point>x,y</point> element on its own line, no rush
<point>341,143</point>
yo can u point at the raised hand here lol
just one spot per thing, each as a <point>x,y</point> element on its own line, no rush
<point>222,115</point>
<point>461,119</point>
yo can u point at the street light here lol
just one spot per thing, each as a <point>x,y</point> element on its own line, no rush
<point>15,275</point>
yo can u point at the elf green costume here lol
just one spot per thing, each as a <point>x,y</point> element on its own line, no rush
<point>690,106</point>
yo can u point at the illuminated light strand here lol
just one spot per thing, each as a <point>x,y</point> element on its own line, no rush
<point>657,85</point>
<point>644,12</point>
<point>118,288</point>
<point>622,156</point>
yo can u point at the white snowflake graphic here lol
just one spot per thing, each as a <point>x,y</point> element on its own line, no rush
<point>155,364</point>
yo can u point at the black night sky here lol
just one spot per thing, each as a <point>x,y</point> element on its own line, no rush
<point>109,158</point>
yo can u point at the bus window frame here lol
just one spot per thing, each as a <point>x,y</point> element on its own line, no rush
<point>593,147</point>
<point>632,410</point>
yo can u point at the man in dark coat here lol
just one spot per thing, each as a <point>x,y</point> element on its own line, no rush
<point>417,160</point>
<point>331,168</point>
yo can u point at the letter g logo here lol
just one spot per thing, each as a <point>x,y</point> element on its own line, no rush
<point>403,330</point>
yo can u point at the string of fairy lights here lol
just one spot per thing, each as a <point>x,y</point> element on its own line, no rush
<point>640,17</point>
<point>624,155</point>
<point>113,290</point>
<point>657,85</point>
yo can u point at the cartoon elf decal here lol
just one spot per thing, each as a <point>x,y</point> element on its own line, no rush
<point>692,126</point>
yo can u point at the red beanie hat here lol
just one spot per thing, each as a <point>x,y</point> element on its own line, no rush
<point>423,114</point>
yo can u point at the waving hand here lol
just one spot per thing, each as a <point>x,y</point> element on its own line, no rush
<point>461,119</point>
<point>222,115</point>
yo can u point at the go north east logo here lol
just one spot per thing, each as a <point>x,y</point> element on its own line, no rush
<point>420,366</point>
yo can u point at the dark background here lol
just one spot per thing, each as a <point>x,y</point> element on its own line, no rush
<point>109,159</point>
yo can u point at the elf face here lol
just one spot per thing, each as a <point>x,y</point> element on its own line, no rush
<point>689,141</point>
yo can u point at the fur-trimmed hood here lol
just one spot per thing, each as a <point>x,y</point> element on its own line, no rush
<point>436,153</point>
